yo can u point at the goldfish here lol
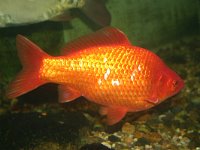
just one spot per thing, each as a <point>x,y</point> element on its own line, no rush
<point>104,67</point>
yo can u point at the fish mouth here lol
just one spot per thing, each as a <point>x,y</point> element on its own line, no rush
<point>180,86</point>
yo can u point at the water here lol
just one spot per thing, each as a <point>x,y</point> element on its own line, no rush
<point>36,120</point>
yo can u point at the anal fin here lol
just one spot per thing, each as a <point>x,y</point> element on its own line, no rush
<point>67,94</point>
<point>114,114</point>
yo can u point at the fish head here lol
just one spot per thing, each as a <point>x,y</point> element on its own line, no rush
<point>169,83</point>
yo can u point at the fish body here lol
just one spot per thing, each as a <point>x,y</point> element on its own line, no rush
<point>14,13</point>
<point>104,68</point>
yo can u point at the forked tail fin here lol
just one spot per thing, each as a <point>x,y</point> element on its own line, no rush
<point>31,57</point>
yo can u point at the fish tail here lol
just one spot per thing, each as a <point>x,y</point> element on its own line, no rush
<point>31,57</point>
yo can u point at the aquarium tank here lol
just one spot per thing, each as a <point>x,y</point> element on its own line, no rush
<point>99,75</point>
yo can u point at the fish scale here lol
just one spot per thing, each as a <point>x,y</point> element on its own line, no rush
<point>104,68</point>
<point>92,74</point>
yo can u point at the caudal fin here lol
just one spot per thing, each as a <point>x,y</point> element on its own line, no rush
<point>31,57</point>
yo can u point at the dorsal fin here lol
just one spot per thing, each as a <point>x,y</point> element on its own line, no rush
<point>103,37</point>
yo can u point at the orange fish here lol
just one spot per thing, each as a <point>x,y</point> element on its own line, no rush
<point>104,68</point>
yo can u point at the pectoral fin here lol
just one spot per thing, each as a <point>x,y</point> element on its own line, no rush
<point>153,97</point>
<point>67,94</point>
<point>153,100</point>
<point>114,114</point>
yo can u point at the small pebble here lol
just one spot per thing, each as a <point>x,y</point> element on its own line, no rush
<point>154,137</point>
<point>128,128</point>
<point>144,117</point>
<point>142,141</point>
<point>114,138</point>
<point>128,140</point>
<point>106,144</point>
<point>148,147</point>
<point>143,128</point>
<point>95,146</point>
